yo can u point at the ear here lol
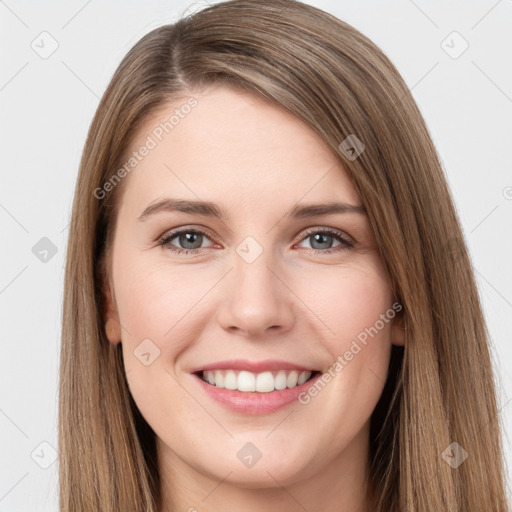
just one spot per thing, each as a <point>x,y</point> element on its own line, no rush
<point>398,329</point>
<point>111,316</point>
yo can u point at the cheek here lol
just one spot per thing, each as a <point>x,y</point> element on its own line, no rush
<point>354,308</point>
<point>346,301</point>
<point>352,303</point>
<point>157,302</point>
<point>160,311</point>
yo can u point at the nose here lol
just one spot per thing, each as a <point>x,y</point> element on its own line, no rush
<point>256,299</point>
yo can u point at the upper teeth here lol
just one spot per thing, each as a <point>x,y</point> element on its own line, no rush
<point>260,382</point>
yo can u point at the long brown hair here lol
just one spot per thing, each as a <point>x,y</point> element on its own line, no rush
<point>440,388</point>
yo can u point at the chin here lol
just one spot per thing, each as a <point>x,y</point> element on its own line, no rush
<point>271,470</point>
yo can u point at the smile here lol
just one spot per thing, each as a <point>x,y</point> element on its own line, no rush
<point>249,382</point>
<point>254,388</point>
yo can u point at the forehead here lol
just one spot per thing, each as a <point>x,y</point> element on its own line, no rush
<point>233,148</point>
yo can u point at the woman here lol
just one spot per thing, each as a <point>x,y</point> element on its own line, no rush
<point>215,354</point>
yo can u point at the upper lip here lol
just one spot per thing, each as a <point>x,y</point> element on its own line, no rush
<point>251,366</point>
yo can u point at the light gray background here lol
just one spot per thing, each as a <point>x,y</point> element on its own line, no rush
<point>47,106</point>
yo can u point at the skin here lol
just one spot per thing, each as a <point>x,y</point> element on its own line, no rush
<point>256,161</point>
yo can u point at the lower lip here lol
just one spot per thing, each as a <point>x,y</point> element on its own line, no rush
<point>255,403</point>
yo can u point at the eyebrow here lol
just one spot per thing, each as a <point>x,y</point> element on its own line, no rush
<point>210,209</point>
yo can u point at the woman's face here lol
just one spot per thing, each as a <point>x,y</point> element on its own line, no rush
<point>259,294</point>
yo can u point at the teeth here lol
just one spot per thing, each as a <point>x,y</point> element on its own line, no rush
<point>250,382</point>
<point>230,380</point>
<point>302,378</point>
<point>291,381</point>
<point>219,378</point>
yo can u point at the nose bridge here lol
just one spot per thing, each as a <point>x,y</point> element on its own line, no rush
<point>257,299</point>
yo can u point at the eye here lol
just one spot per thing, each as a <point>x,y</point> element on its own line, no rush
<point>322,239</point>
<point>190,239</point>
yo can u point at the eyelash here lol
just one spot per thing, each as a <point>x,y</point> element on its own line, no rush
<point>165,240</point>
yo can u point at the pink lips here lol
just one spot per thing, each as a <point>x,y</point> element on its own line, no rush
<point>253,403</point>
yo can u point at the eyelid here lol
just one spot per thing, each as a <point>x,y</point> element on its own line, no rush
<point>187,227</point>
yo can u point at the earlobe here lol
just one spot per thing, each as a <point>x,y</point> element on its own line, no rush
<point>112,325</point>
<point>398,330</point>
<point>113,330</point>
